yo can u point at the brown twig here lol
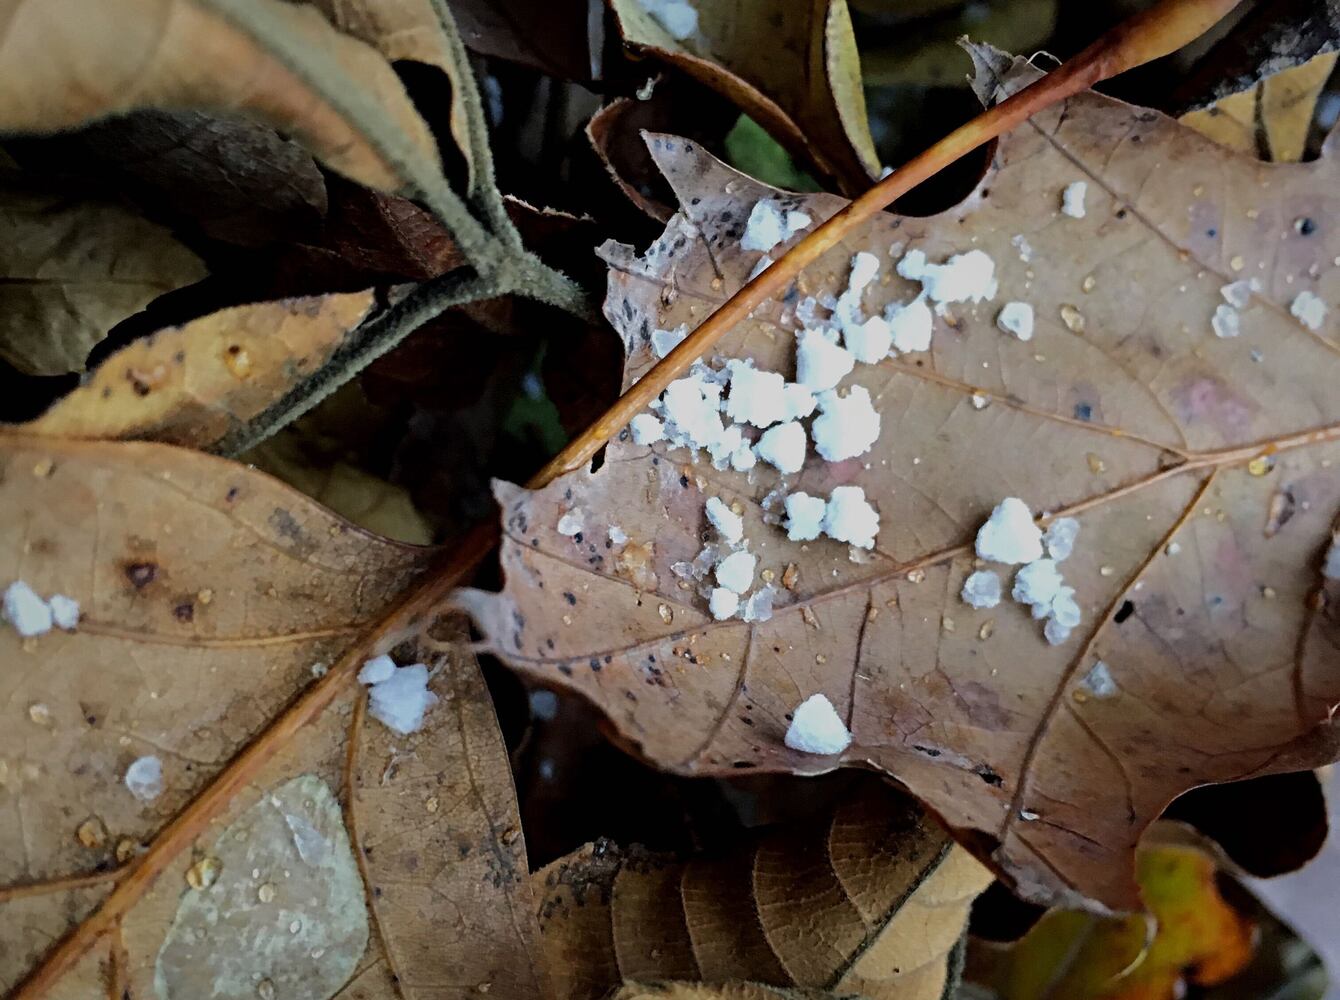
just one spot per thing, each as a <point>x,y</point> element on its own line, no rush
<point>1158,31</point>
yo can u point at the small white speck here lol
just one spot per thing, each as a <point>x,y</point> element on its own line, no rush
<point>816,728</point>
<point>144,778</point>
<point>1072,199</point>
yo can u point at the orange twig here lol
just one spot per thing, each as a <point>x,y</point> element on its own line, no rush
<point>1163,28</point>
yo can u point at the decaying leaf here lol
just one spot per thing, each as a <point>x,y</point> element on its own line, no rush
<point>194,384</point>
<point>73,269</point>
<point>870,900</point>
<point>800,79</point>
<point>280,63</point>
<point>1274,117</point>
<point>1193,934</point>
<point>727,991</point>
<point>211,595</point>
<point>1203,472</point>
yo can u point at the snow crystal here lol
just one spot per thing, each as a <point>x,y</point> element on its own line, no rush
<point>864,267</point>
<point>850,518</point>
<point>1037,583</point>
<point>981,589</point>
<point>756,397</point>
<point>910,325</point>
<point>646,429</point>
<point>376,670</point>
<point>724,448</point>
<point>64,612</point>
<point>768,225</point>
<point>1020,243</point>
<point>820,362</point>
<point>1309,310</point>
<point>28,613</point>
<point>723,603</point>
<point>729,525</point>
<point>692,411</point>
<point>1065,609</point>
<point>1016,318</point>
<point>848,425</point>
<point>1331,569</point>
<point>804,516</point>
<point>1072,199</point>
<point>144,778</point>
<point>869,342</point>
<point>816,728</point>
<point>758,606</point>
<point>797,401</point>
<point>1060,538</point>
<point>1009,534</point>
<point>678,17</point>
<point>965,277</point>
<point>400,701</point>
<point>572,522</point>
<point>1054,632</point>
<point>742,459</point>
<point>1099,681</point>
<point>736,571</point>
<point>617,535</point>
<point>783,447</point>
<point>1237,294</point>
<point>665,341</point>
<point>760,265</point>
<point>1225,322</point>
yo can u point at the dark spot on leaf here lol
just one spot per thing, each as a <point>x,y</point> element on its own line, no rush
<point>1211,233</point>
<point>233,493</point>
<point>1305,226</point>
<point>565,670</point>
<point>141,574</point>
<point>1125,611</point>
<point>684,481</point>
<point>577,538</point>
<point>570,597</point>
<point>741,765</point>
<point>928,751</point>
<point>988,775</point>
<point>1083,411</point>
<point>184,612</point>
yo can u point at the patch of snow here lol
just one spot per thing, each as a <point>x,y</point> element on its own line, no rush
<point>723,603</point>
<point>816,728</point>
<point>758,606</point>
<point>1099,682</point>
<point>1037,583</point>
<point>981,589</point>
<point>144,778</point>
<point>617,535</point>
<point>868,341</point>
<point>1020,243</point>
<point>572,522</point>
<point>691,407</point>
<point>798,401</point>
<point>665,341</point>
<point>964,277</point>
<point>1225,322</point>
<point>910,325</point>
<point>783,447</point>
<point>1009,534</point>
<point>736,571</point>
<point>1060,538</point>
<point>646,429</point>
<point>1016,318</point>
<point>820,362</point>
<point>723,449</point>
<point>849,517</point>
<point>64,612</point>
<point>1308,309</point>
<point>847,426</point>
<point>1331,568</point>
<point>400,701</point>
<point>1237,294</point>
<point>1065,609</point>
<point>1072,199</point>
<point>1054,632</point>
<point>804,516</point>
<point>376,670</point>
<point>769,225</point>
<point>756,397</point>
<point>679,18</point>
<point>28,613</point>
<point>729,525</point>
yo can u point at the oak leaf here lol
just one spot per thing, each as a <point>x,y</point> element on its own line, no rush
<point>1202,470</point>
<point>869,899</point>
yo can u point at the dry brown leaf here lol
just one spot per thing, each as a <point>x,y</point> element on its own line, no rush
<point>1203,472</point>
<point>193,384</point>
<point>800,78</point>
<point>869,900</point>
<point>344,103</point>
<point>212,595</point>
<point>728,991</point>
<point>72,270</point>
<point>1274,117</point>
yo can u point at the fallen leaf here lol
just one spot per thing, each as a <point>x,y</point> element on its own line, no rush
<point>1194,937</point>
<point>280,63</point>
<point>211,596</point>
<point>1273,118</point>
<point>801,80</point>
<point>73,269</point>
<point>870,900</point>
<point>195,384</point>
<point>728,991</point>
<point>1169,444</point>
<point>555,38</point>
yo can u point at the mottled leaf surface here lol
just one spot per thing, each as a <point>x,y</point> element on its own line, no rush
<point>1203,472</point>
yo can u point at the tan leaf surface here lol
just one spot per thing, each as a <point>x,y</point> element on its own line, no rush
<point>211,596</point>
<point>793,67</point>
<point>868,900</point>
<point>193,384</point>
<point>281,63</point>
<point>1203,472</point>
<point>727,991</point>
<point>72,270</point>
